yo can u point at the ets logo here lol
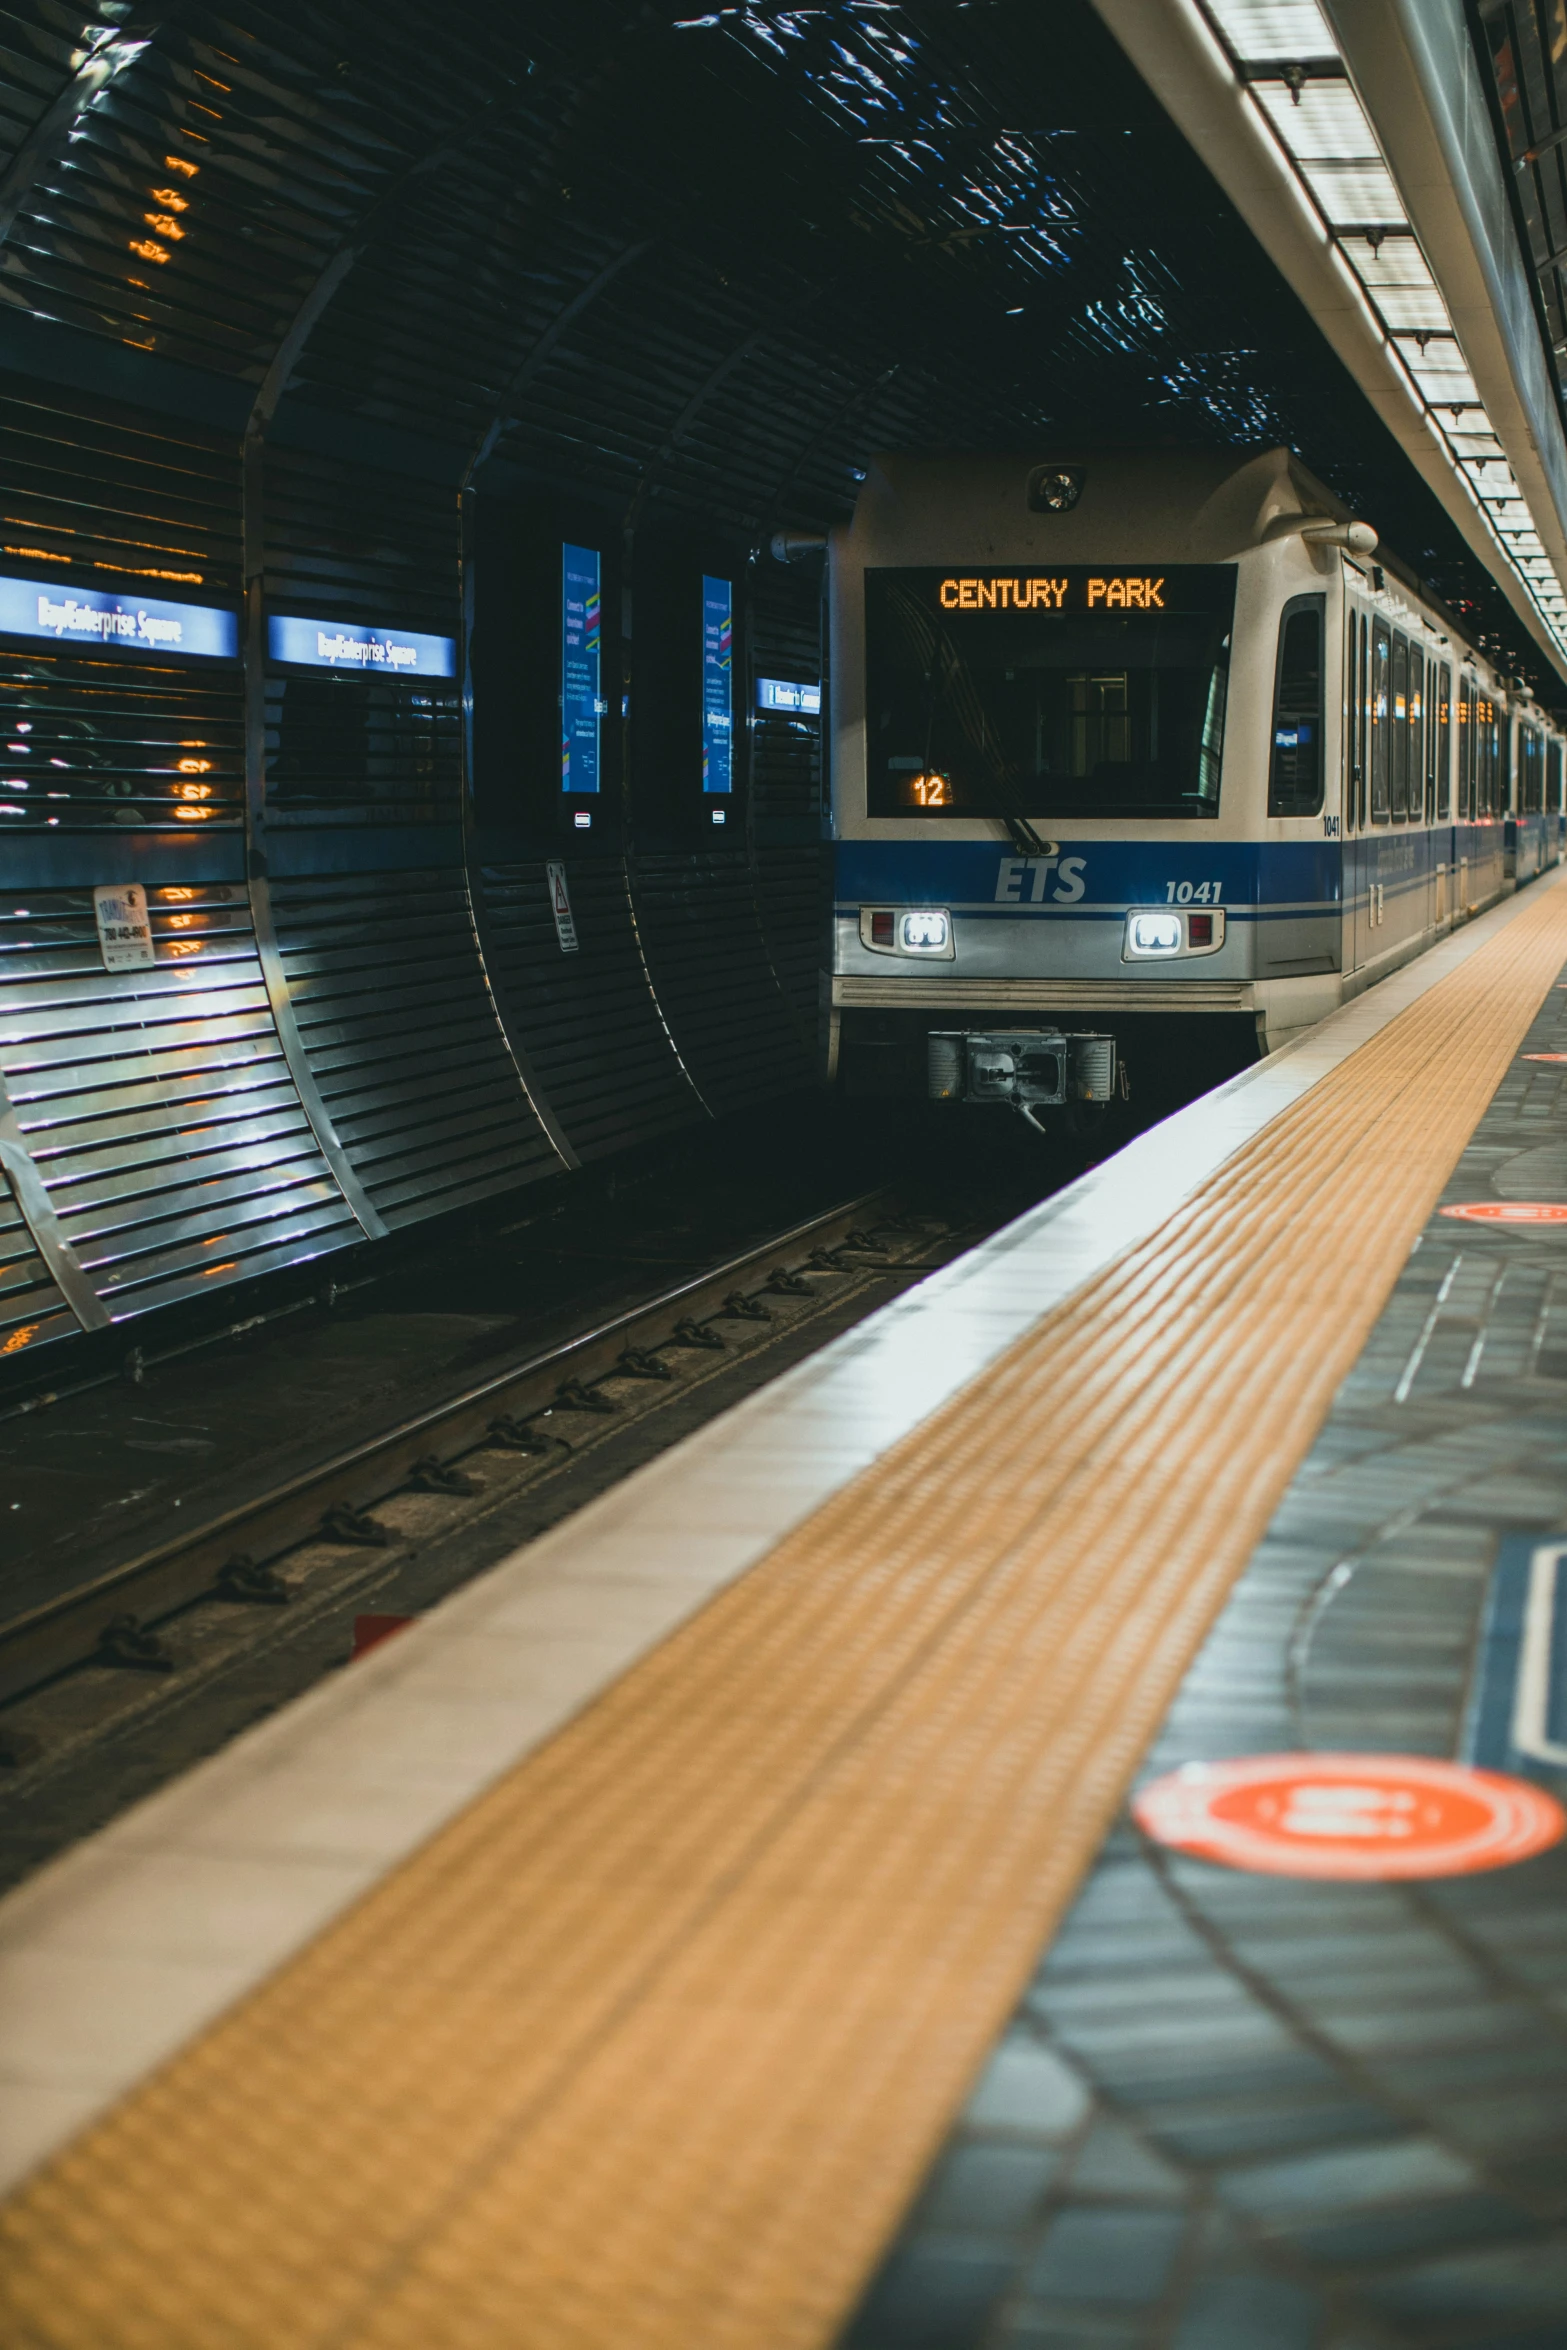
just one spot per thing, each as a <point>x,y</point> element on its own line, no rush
<point>1036,881</point>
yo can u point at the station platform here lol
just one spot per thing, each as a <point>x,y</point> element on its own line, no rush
<point>722,1926</point>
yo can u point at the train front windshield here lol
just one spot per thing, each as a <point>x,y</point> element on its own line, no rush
<point>1077,691</point>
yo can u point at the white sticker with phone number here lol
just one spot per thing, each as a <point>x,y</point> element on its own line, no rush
<point>124,930</point>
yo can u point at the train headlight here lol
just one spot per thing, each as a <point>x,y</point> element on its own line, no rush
<point>1153,934</point>
<point>925,930</point>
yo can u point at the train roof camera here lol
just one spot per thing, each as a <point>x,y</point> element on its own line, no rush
<point>1054,489</point>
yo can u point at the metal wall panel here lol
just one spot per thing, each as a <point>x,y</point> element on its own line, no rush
<point>588,1020</point>
<point>788,805</point>
<point>156,1104</point>
<point>359,543</point>
<point>702,934</point>
<point>403,1040</point>
<point>32,1309</point>
<point>394,1010</point>
<point>89,742</point>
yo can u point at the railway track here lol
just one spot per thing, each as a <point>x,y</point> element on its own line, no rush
<point>115,1616</point>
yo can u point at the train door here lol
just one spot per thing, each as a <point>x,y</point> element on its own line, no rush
<point>1356,752</point>
<point>1371,905</point>
<point>1464,830</point>
<point>1428,792</point>
<point>1406,892</point>
<point>1487,873</point>
<point>1441,760</point>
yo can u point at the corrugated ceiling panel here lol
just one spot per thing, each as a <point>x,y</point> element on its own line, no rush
<point>89,487</point>
<point>41,50</point>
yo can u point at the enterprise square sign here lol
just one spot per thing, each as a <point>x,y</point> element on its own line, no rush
<point>117,624</point>
<point>342,644</point>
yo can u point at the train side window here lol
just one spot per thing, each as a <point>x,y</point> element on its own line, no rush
<point>1296,777</point>
<point>1509,767</point>
<point>1398,780</point>
<point>1443,734</point>
<point>1417,733</point>
<point>1430,738</point>
<point>1363,694</point>
<point>1381,719</point>
<point>1466,748</point>
<point>1553,778</point>
<point>1351,746</point>
<point>1534,773</point>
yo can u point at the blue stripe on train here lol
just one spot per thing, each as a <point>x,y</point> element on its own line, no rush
<point>981,873</point>
<point>1256,880</point>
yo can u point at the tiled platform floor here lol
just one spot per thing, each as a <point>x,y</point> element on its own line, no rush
<point>1247,2113</point>
<point>647,2041</point>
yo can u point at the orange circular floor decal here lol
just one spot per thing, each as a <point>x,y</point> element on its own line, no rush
<point>1349,1815</point>
<point>1509,1211</point>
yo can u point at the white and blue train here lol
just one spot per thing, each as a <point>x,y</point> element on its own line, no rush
<point>1141,748</point>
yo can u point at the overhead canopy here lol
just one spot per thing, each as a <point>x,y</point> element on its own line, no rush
<point>694,262</point>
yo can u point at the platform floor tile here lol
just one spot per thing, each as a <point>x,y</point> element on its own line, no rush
<point>1357,2094</point>
<point>651,2044</point>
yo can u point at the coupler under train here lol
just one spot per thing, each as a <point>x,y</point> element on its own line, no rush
<point>1032,1070</point>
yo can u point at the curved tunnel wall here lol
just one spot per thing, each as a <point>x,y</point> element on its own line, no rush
<point>304,316</point>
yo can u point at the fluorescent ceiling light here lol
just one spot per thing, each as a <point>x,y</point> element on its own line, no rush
<point>1286,58</point>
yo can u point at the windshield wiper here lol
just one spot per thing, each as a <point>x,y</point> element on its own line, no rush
<point>1026,840</point>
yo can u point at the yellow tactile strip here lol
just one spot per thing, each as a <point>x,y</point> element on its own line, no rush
<point>646,2050</point>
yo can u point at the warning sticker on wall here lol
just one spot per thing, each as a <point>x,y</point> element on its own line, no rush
<point>560,907</point>
<point>124,932</point>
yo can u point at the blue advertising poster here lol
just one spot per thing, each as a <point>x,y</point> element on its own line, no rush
<point>718,724</point>
<point>117,624</point>
<point>344,644</point>
<point>581,654</point>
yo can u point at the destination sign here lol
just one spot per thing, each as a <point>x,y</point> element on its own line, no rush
<point>1091,591</point>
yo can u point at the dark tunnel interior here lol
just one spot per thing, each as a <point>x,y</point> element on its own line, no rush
<point>361,316</point>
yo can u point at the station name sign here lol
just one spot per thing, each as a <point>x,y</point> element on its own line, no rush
<point>121,624</point>
<point>1109,591</point>
<point>338,644</point>
<point>783,693</point>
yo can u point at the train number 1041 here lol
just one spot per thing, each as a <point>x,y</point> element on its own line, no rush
<point>1193,893</point>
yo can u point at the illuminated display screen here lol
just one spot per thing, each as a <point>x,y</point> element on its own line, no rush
<point>117,624</point>
<point>582,705</point>
<point>372,652</point>
<point>1084,689</point>
<point>782,694</point>
<point>718,635</point>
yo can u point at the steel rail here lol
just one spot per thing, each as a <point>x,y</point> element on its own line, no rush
<point>68,1630</point>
